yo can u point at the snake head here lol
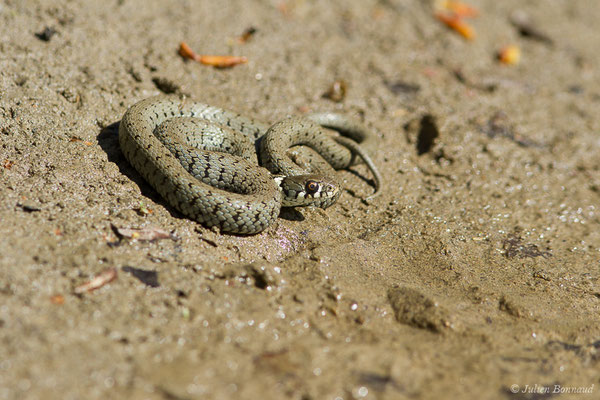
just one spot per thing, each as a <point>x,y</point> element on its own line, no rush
<point>308,190</point>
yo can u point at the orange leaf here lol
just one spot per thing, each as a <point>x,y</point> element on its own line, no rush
<point>186,52</point>
<point>215,61</point>
<point>222,61</point>
<point>454,22</point>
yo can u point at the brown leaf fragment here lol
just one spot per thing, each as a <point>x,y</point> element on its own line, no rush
<point>106,276</point>
<point>143,234</point>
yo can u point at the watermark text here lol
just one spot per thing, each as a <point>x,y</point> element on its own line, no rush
<point>553,389</point>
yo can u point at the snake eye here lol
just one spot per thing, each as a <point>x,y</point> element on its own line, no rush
<point>312,187</point>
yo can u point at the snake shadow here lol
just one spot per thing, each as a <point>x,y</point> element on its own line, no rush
<point>108,139</point>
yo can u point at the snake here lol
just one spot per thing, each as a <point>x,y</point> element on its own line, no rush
<point>204,160</point>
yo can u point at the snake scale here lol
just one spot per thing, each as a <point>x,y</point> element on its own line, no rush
<point>180,147</point>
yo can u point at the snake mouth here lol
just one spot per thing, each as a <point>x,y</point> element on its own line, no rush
<point>308,190</point>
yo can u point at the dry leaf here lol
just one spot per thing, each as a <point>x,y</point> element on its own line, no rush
<point>216,61</point>
<point>144,234</point>
<point>454,22</point>
<point>106,276</point>
<point>222,61</point>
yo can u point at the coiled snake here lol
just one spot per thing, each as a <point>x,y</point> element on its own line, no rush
<point>180,147</point>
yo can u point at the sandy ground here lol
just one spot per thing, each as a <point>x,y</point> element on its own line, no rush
<point>474,275</point>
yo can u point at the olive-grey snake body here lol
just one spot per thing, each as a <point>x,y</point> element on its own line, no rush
<point>177,146</point>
